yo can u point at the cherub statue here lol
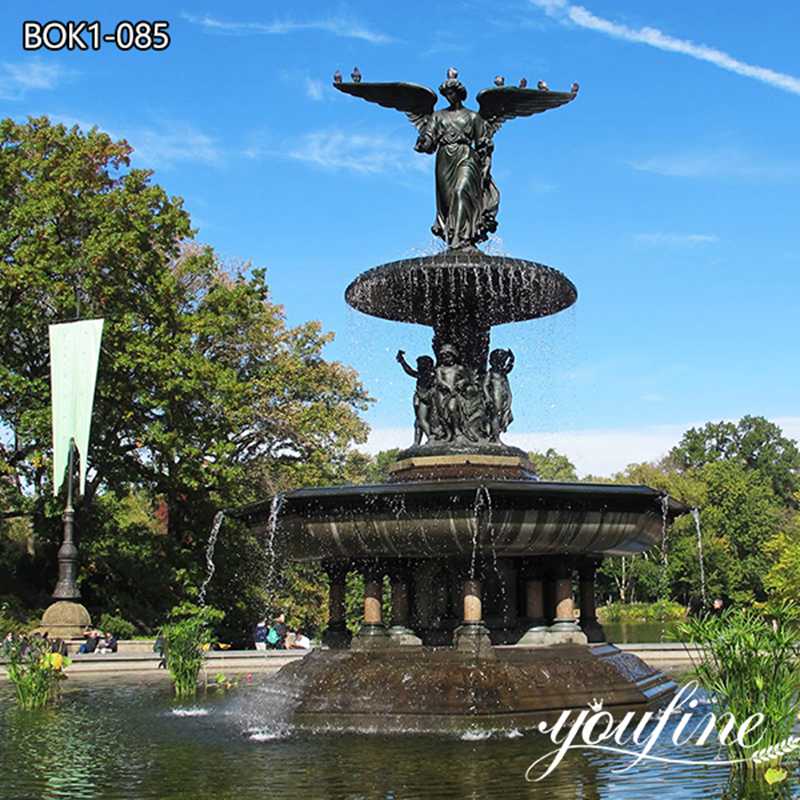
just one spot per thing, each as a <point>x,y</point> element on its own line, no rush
<point>452,381</point>
<point>497,391</point>
<point>467,199</point>
<point>424,399</point>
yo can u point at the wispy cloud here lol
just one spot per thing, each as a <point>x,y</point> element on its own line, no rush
<point>315,88</point>
<point>162,146</point>
<point>675,239</point>
<point>358,152</point>
<point>578,15</point>
<point>16,79</point>
<point>723,162</point>
<point>338,26</point>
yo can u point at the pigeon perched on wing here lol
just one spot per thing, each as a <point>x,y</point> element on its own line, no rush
<point>523,83</point>
<point>356,75</point>
<point>575,87</point>
<point>337,76</point>
<point>543,86</point>
<point>499,81</point>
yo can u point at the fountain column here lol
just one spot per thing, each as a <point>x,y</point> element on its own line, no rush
<point>472,636</point>
<point>336,635</point>
<point>536,625</point>
<point>372,633</point>
<point>400,633</point>
<point>564,628</point>
<point>589,623</point>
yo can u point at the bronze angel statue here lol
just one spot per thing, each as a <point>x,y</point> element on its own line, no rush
<point>467,199</point>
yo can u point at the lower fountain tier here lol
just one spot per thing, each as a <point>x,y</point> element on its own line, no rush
<point>459,518</point>
<point>461,284</point>
<point>432,689</point>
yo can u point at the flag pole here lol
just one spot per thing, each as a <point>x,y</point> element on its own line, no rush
<point>67,586</point>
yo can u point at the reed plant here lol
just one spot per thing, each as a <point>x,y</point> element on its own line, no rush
<point>187,637</point>
<point>749,664</point>
<point>35,671</point>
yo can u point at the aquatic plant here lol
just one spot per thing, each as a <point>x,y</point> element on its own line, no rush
<point>749,664</point>
<point>35,671</point>
<point>187,637</point>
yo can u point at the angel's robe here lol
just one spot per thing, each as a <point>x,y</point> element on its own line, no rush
<point>466,196</point>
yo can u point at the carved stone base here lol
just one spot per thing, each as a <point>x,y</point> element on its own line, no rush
<point>565,632</point>
<point>443,689</point>
<point>372,637</point>
<point>65,619</point>
<point>535,635</point>
<point>506,463</point>
<point>473,638</point>
<point>404,637</point>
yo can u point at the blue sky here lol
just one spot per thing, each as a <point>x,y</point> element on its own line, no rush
<point>667,192</point>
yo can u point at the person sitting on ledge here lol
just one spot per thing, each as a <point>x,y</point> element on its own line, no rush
<point>301,641</point>
<point>92,640</point>
<point>260,634</point>
<point>108,644</point>
<point>276,638</point>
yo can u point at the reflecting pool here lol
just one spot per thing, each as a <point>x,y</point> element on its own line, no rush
<point>136,742</point>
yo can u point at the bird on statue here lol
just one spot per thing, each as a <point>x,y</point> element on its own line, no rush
<point>523,83</point>
<point>452,73</point>
<point>499,81</point>
<point>575,87</point>
<point>356,75</point>
<point>337,76</point>
<point>542,86</point>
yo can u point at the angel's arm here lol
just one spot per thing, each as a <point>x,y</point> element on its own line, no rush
<point>427,140</point>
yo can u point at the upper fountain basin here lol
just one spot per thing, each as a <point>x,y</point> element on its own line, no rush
<point>430,289</point>
<point>455,518</point>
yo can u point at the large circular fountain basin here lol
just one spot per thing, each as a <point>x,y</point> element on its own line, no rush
<point>428,289</point>
<point>458,518</point>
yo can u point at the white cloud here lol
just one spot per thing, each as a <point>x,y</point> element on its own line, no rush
<point>315,88</point>
<point>675,239</point>
<point>366,153</point>
<point>16,79</point>
<point>160,146</point>
<point>338,26</point>
<point>583,18</point>
<point>723,162</point>
<point>598,451</point>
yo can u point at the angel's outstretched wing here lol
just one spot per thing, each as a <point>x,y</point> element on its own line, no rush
<point>416,102</point>
<point>504,103</point>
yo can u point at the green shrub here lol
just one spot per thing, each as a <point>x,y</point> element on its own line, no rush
<point>750,664</point>
<point>121,628</point>
<point>186,638</point>
<point>659,611</point>
<point>35,671</point>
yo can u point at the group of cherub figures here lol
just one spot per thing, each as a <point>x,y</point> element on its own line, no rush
<point>454,404</point>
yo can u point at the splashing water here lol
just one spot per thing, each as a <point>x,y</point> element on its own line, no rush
<point>210,566</point>
<point>272,528</point>
<point>664,522</point>
<point>483,504</point>
<point>696,517</point>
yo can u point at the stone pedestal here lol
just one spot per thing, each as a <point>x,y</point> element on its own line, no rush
<point>589,623</point>
<point>65,619</point>
<point>372,633</point>
<point>564,629</point>
<point>336,635</point>
<point>472,636</point>
<point>535,623</point>
<point>399,631</point>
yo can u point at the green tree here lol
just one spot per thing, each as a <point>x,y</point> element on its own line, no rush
<point>553,466</point>
<point>753,442</point>
<point>205,397</point>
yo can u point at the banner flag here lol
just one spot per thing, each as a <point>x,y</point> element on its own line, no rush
<point>74,355</point>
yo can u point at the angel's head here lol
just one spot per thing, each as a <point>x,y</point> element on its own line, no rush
<point>453,91</point>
